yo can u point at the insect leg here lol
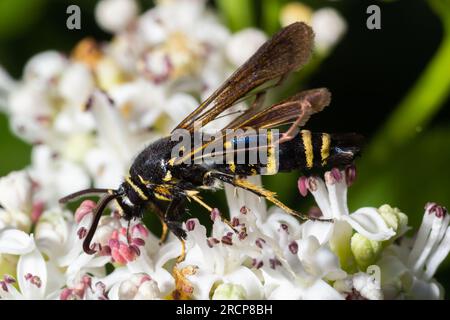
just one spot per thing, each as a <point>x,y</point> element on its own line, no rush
<point>293,129</point>
<point>260,191</point>
<point>172,220</point>
<point>210,209</point>
<point>165,230</point>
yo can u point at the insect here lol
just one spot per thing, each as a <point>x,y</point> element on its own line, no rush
<point>165,183</point>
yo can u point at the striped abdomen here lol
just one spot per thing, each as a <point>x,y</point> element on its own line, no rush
<point>308,152</point>
<point>312,151</point>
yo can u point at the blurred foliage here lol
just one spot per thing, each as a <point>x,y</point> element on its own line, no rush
<point>392,85</point>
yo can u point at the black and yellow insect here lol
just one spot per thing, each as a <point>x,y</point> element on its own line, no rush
<point>163,182</point>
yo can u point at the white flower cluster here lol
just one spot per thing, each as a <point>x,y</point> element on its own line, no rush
<point>88,113</point>
<point>261,255</point>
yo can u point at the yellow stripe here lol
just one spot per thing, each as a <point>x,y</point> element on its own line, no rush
<point>325,148</point>
<point>143,181</point>
<point>271,161</point>
<point>168,176</point>
<point>162,192</point>
<point>136,188</point>
<point>308,147</point>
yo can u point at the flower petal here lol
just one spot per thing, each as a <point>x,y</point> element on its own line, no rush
<point>32,264</point>
<point>15,242</point>
<point>368,222</point>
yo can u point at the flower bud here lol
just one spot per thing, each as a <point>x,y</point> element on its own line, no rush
<point>115,15</point>
<point>364,250</point>
<point>394,218</point>
<point>229,291</point>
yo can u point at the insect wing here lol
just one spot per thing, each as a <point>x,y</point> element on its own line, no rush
<point>286,51</point>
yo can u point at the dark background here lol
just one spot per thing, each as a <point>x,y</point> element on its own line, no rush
<point>369,73</point>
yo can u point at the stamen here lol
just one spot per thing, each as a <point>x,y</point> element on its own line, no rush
<point>227,240</point>
<point>215,213</point>
<point>274,263</point>
<point>259,242</point>
<point>350,175</point>
<point>138,241</point>
<point>82,232</point>
<point>190,225</point>
<point>293,247</point>
<point>302,184</point>
<point>8,279</point>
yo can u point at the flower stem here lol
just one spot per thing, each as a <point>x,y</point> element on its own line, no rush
<point>237,13</point>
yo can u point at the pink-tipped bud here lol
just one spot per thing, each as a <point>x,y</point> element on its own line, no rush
<point>274,263</point>
<point>293,247</point>
<point>242,235</point>
<point>86,207</point>
<point>135,249</point>
<point>113,243</point>
<point>437,210</point>
<point>227,240</point>
<point>244,210</point>
<point>36,211</point>
<point>190,225</point>
<point>66,293</point>
<point>212,241</point>
<point>117,257</point>
<point>82,232</point>
<point>312,184</point>
<point>126,252</point>
<point>145,278</point>
<point>336,173</point>
<point>105,251</point>
<point>141,229</point>
<point>8,279</point>
<point>302,184</point>
<point>350,175</point>
<point>259,242</point>
<point>86,280</point>
<point>315,212</point>
<point>215,213</point>
<point>138,241</point>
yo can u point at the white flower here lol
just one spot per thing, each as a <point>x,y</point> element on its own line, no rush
<point>243,44</point>
<point>115,15</point>
<point>44,68</point>
<point>408,269</point>
<point>56,177</point>
<point>360,286</point>
<point>139,286</point>
<point>15,200</point>
<point>32,270</point>
<point>331,197</point>
<point>329,27</point>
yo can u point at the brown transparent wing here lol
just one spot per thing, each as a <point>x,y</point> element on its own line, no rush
<point>304,103</point>
<point>286,51</point>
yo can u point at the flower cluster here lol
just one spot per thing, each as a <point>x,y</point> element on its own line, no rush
<point>89,112</point>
